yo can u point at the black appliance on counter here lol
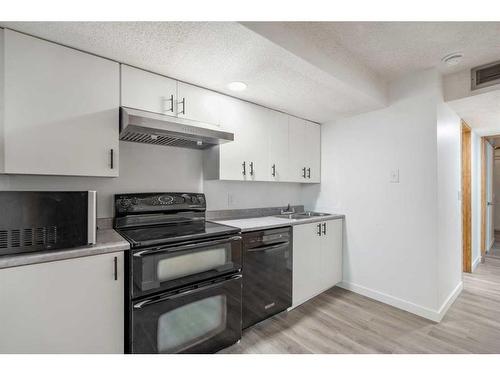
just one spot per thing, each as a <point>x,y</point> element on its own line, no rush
<point>267,274</point>
<point>183,275</point>
<point>43,220</point>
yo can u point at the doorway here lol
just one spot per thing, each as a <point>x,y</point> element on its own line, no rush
<point>490,188</point>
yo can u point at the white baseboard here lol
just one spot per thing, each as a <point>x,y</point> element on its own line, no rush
<point>402,304</point>
<point>475,263</point>
<point>449,301</point>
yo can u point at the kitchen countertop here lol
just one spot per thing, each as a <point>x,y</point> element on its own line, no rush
<point>267,222</point>
<point>107,241</point>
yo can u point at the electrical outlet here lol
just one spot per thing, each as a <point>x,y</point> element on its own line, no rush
<point>394,176</point>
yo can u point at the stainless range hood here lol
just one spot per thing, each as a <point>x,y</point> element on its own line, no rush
<point>148,127</point>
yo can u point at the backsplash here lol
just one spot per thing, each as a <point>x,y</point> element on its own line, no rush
<point>150,168</point>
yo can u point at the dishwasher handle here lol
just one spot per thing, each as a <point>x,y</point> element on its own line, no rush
<point>269,248</point>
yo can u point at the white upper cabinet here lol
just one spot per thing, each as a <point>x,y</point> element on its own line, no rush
<point>148,91</point>
<point>246,158</point>
<point>277,132</point>
<point>305,151</point>
<point>268,146</point>
<point>198,104</point>
<point>60,109</point>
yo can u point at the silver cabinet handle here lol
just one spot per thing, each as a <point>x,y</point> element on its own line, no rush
<point>244,164</point>
<point>319,229</point>
<point>273,168</point>
<point>308,172</point>
<point>112,159</point>
<point>183,102</point>
<point>251,168</point>
<point>171,100</point>
<point>324,229</point>
<point>304,172</point>
<point>115,266</point>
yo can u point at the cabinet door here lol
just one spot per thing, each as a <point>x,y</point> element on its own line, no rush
<point>61,109</point>
<point>198,104</point>
<point>148,91</point>
<point>306,262</point>
<point>278,162</point>
<point>297,150</point>
<point>67,306</point>
<point>247,122</point>
<point>331,253</point>
<point>312,143</point>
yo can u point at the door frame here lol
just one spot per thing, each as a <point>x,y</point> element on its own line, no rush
<point>466,182</point>
<point>483,198</point>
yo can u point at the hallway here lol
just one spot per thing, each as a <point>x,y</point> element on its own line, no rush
<point>339,321</point>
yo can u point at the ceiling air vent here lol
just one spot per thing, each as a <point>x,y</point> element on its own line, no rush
<point>485,75</point>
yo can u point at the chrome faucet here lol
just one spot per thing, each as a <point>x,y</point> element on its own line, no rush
<point>288,210</point>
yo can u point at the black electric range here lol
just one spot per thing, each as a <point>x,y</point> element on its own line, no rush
<point>183,275</point>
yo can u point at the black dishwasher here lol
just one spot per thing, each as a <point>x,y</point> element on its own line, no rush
<point>267,273</point>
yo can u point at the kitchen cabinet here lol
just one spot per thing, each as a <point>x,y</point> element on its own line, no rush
<point>246,158</point>
<point>60,109</point>
<point>305,151</point>
<point>277,133</point>
<point>148,91</point>
<point>198,104</point>
<point>67,306</point>
<point>317,258</point>
<point>156,93</point>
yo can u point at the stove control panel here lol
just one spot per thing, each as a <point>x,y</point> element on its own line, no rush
<point>158,202</point>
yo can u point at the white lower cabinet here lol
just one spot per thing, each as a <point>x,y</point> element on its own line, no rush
<point>67,306</point>
<point>317,258</point>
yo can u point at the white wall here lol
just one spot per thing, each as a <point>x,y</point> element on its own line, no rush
<point>449,205</point>
<point>149,168</point>
<point>391,235</point>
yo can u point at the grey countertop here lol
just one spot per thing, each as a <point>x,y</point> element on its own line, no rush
<point>108,241</point>
<point>267,222</point>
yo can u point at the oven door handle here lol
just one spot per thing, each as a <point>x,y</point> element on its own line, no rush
<point>147,302</point>
<point>266,248</point>
<point>186,247</point>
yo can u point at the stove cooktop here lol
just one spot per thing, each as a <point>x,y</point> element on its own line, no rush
<point>172,233</point>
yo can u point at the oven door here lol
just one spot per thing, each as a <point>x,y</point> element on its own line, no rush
<point>203,319</point>
<point>166,268</point>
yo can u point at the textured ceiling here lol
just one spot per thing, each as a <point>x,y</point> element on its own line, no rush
<point>393,49</point>
<point>316,70</point>
<point>482,112</point>
<point>212,54</point>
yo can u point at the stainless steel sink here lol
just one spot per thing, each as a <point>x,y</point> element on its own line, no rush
<point>301,215</point>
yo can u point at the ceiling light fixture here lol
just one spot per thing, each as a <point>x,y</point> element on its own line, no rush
<point>237,86</point>
<point>453,58</point>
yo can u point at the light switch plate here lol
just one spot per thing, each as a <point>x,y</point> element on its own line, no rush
<point>394,176</point>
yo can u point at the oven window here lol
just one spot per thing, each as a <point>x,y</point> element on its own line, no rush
<point>190,264</point>
<point>191,324</point>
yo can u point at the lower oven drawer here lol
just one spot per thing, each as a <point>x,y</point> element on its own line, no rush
<point>161,269</point>
<point>203,319</point>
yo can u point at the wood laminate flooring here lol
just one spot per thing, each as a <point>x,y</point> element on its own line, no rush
<point>340,321</point>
